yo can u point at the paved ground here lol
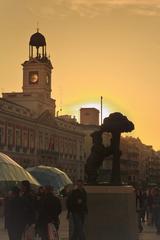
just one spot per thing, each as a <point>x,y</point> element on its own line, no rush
<point>149,232</point>
<point>63,231</point>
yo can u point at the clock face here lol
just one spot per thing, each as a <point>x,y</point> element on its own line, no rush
<point>33,77</point>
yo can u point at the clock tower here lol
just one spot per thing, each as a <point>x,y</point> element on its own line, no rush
<point>37,72</point>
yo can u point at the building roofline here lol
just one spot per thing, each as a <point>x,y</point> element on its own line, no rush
<point>16,104</point>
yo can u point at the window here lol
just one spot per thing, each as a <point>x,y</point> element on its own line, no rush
<point>18,137</point>
<point>10,136</point>
<point>1,135</point>
<point>31,139</point>
<point>25,138</point>
<point>40,140</point>
<point>46,142</point>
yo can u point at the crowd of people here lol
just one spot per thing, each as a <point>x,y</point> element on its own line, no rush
<point>29,213</point>
<point>148,207</point>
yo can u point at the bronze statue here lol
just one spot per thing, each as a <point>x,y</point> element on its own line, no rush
<point>115,124</point>
<point>95,159</point>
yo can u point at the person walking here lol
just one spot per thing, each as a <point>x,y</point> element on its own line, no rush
<point>49,211</point>
<point>14,210</point>
<point>138,210</point>
<point>143,196</point>
<point>77,207</point>
<point>156,209</point>
<point>149,206</point>
<point>29,205</point>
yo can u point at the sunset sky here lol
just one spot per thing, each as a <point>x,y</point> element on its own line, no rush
<point>108,48</point>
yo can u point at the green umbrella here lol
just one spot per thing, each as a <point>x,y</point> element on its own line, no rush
<point>12,173</point>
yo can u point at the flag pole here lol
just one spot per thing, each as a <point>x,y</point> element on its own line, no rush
<point>101,108</point>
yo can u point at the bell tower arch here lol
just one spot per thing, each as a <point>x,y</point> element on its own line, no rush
<point>38,41</point>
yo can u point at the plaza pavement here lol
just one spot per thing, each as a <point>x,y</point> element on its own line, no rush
<point>149,232</point>
<point>63,231</point>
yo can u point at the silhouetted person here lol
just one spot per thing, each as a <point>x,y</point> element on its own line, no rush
<point>143,196</point>
<point>39,204</point>
<point>149,206</point>
<point>77,207</point>
<point>139,210</point>
<point>14,214</point>
<point>49,210</point>
<point>29,202</point>
<point>156,209</point>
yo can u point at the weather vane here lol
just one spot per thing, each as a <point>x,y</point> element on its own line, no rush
<point>37,26</point>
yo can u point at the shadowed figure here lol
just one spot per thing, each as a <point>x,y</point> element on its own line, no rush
<point>115,124</point>
<point>95,159</point>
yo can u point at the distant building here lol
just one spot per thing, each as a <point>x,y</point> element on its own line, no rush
<point>89,116</point>
<point>29,131</point>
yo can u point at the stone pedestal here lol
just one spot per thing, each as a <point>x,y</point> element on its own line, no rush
<point>111,213</point>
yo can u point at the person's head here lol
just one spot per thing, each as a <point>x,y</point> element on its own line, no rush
<point>15,191</point>
<point>41,190</point>
<point>156,191</point>
<point>69,188</point>
<point>79,183</point>
<point>25,186</point>
<point>49,189</point>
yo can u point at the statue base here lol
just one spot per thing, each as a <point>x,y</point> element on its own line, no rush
<point>111,213</point>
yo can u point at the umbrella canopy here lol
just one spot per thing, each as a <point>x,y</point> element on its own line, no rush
<point>50,176</point>
<point>11,173</point>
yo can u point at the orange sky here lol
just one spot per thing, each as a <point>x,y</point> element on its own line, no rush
<point>98,47</point>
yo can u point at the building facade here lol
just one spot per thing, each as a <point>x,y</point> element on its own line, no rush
<point>29,131</point>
